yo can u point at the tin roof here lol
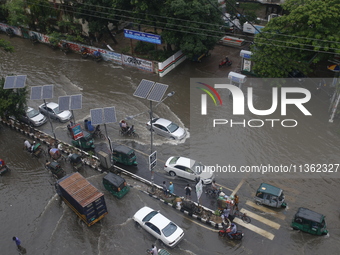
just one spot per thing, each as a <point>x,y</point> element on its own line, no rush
<point>270,189</point>
<point>80,189</point>
<point>114,179</point>
<point>309,215</point>
<point>122,149</point>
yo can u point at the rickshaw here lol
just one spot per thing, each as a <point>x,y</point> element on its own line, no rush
<point>3,167</point>
<point>85,142</point>
<point>124,155</point>
<point>55,153</point>
<point>76,161</point>
<point>270,195</point>
<point>309,221</point>
<point>37,150</point>
<point>116,185</point>
<point>56,169</point>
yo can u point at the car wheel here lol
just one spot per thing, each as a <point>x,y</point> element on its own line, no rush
<point>173,138</point>
<point>258,203</point>
<point>173,174</point>
<point>59,120</point>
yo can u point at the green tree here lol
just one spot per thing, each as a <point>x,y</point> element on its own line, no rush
<point>192,25</point>
<point>16,13</point>
<point>12,101</point>
<point>308,34</point>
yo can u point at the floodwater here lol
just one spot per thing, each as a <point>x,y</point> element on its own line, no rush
<point>31,210</point>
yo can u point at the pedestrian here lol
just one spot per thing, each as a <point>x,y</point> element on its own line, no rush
<point>225,214</point>
<point>171,188</point>
<point>165,189</point>
<point>187,191</point>
<point>153,250</point>
<point>236,200</point>
<point>27,145</point>
<point>17,242</point>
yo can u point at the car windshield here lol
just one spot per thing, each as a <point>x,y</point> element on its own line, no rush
<point>198,167</point>
<point>149,216</point>
<point>173,160</point>
<point>32,113</point>
<point>172,127</point>
<point>56,110</point>
<point>169,229</point>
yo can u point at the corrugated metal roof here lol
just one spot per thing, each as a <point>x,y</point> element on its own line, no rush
<point>80,189</point>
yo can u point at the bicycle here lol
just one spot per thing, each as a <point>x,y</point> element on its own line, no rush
<point>242,216</point>
<point>213,192</point>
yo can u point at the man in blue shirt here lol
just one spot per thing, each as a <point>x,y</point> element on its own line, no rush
<point>17,241</point>
<point>171,188</point>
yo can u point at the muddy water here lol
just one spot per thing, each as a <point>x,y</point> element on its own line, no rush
<point>30,209</point>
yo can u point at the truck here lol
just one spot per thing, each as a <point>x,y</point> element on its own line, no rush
<point>252,28</point>
<point>82,197</point>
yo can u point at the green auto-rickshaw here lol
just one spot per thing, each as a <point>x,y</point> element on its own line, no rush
<point>309,221</point>
<point>85,142</point>
<point>124,155</point>
<point>116,185</point>
<point>270,195</point>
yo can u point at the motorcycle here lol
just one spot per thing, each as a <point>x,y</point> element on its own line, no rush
<point>225,62</point>
<point>84,53</point>
<point>65,48</point>
<point>130,131</point>
<point>236,236</point>
<point>9,32</point>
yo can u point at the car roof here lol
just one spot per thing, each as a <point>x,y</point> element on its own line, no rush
<point>183,161</point>
<point>269,189</point>
<point>163,122</point>
<point>309,215</point>
<point>159,220</point>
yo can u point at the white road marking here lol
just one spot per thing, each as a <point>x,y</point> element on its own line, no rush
<point>257,230</point>
<point>266,210</point>
<point>261,219</point>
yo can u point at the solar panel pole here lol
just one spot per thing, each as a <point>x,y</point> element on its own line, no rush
<point>49,119</point>
<point>108,137</point>
<point>151,133</point>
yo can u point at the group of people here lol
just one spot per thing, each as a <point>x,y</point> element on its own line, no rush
<point>168,191</point>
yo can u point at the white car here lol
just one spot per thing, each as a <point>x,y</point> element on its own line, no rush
<point>188,169</point>
<point>33,117</point>
<point>159,226</point>
<point>52,109</point>
<point>166,128</point>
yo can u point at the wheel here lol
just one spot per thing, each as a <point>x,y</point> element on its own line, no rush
<point>120,133</point>
<point>238,235</point>
<point>221,233</point>
<point>246,219</point>
<point>210,192</point>
<point>172,173</point>
<point>258,203</point>
<point>135,135</point>
<point>294,228</point>
<point>102,136</point>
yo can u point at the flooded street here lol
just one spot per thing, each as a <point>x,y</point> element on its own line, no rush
<point>31,210</point>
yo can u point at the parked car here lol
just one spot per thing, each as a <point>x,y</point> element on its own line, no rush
<point>166,128</point>
<point>52,109</point>
<point>189,169</point>
<point>33,117</point>
<point>159,226</point>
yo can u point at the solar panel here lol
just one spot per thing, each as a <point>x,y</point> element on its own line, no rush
<point>143,88</point>
<point>47,92</point>
<point>110,115</point>
<point>76,102</point>
<point>9,82</point>
<point>20,81</point>
<point>97,116</point>
<point>64,103</point>
<point>36,93</point>
<point>157,92</point>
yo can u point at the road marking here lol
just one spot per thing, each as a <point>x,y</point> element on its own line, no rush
<point>257,230</point>
<point>266,210</point>
<point>261,219</point>
<point>238,187</point>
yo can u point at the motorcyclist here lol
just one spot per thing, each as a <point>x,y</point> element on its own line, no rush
<point>233,230</point>
<point>27,145</point>
<point>124,126</point>
<point>225,214</point>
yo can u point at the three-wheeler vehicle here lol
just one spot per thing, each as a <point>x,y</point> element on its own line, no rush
<point>76,161</point>
<point>124,155</point>
<point>3,167</point>
<point>81,138</point>
<point>56,169</point>
<point>270,195</point>
<point>37,150</point>
<point>309,221</point>
<point>116,185</point>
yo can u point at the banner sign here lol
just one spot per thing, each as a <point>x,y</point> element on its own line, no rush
<point>146,37</point>
<point>77,132</point>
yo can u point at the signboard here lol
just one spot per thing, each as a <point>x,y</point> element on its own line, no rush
<point>246,65</point>
<point>152,160</point>
<point>199,190</point>
<point>77,132</point>
<point>138,62</point>
<point>146,37</point>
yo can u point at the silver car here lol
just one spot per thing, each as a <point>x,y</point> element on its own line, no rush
<point>52,109</point>
<point>166,128</point>
<point>33,117</point>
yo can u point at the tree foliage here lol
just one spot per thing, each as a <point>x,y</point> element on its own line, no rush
<point>12,102</point>
<point>309,33</point>
<point>6,45</point>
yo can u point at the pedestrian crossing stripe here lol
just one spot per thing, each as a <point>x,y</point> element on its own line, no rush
<point>266,210</point>
<point>257,230</point>
<point>260,218</point>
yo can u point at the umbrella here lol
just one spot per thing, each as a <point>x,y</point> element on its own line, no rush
<point>334,68</point>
